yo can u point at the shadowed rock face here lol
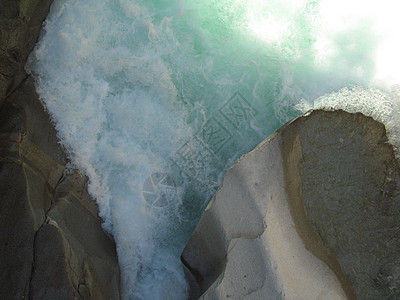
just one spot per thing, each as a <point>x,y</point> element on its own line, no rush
<point>20,24</point>
<point>311,213</point>
<point>52,244</point>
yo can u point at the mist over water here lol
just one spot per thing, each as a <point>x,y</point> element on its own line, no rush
<point>155,100</point>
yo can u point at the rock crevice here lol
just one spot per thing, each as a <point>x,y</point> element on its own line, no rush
<point>52,244</point>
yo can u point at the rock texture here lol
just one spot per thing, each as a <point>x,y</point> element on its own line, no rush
<point>20,24</point>
<point>312,213</point>
<point>52,245</point>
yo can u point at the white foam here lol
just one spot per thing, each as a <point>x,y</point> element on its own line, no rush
<point>128,82</point>
<point>371,102</point>
<point>106,96</point>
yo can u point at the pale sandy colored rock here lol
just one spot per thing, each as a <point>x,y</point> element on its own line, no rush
<point>256,240</point>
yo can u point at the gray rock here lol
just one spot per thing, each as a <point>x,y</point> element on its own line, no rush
<point>51,241</point>
<point>20,24</point>
<point>52,244</point>
<point>312,213</point>
<point>350,191</point>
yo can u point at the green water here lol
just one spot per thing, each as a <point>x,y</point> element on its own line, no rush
<point>155,100</point>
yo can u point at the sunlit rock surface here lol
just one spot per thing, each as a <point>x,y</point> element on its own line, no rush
<point>312,213</point>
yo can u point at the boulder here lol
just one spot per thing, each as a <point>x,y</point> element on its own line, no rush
<point>312,213</point>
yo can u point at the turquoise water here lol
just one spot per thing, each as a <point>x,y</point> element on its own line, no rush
<point>155,100</point>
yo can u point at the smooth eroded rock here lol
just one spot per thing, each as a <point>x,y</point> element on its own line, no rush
<point>52,244</point>
<point>311,213</point>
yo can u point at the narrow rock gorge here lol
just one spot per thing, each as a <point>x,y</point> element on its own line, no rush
<point>312,213</point>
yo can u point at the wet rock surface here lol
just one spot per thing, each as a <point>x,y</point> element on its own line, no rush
<point>52,244</point>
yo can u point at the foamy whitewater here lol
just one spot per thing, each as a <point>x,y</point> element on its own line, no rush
<point>155,100</point>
